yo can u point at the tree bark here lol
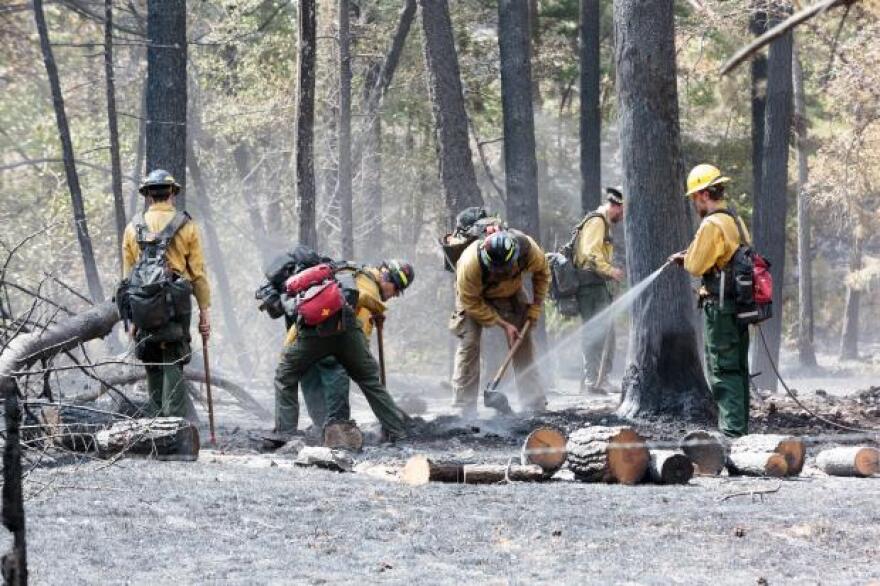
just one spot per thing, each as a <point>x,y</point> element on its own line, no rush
<point>590,115</point>
<point>371,170</point>
<point>166,90</point>
<point>664,375</point>
<point>241,156</point>
<point>757,464</point>
<point>806,351</point>
<point>458,179</point>
<point>791,448</point>
<point>670,467</point>
<point>768,218</point>
<point>607,454</point>
<point>163,438</point>
<point>115,165</point>
<point>343,177</point>
<point>849,461</point>
<point>140,153</point>
<point>420,470</point>
<point>521,166</point>
<point>849,335</point>
<point>758,26</point>
<point>305,124</point>
<point>93,279</point>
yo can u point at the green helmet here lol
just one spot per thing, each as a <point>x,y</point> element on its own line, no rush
<point>399,272</point>
<point>159,178</point>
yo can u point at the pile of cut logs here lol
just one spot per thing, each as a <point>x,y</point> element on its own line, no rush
<point>621,455</point>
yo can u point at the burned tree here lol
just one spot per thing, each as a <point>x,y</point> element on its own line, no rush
<point>450,120</point>
<point>590,115</point>
<point>305,124</point>
<point>343,129</point>
<point>664,376</point>
<point>758,88</point>
<point>166,90</point>
<point>115,166</point>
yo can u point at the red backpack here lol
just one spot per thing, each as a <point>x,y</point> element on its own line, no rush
<point>317,293</point>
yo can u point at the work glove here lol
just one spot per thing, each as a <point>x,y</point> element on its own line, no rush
<point>534,311</point>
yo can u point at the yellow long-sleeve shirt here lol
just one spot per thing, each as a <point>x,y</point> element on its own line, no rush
<point>591,251</point>
<point>714,244</point>
<point>473,293</point>
<point>369,304</point>
<point>184,254</point>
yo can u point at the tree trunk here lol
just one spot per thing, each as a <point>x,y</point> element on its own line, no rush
<point>371,170</point>
<point>96,292</point>
<point>115,166</point>
<point>343,177</point>
<point>768,218</point>
<point>791,448</point>
<point>707,450</point>
<point>305,125</point>
<point>137,167</point>
<point>806,351</point>
<point>757,464</point>
<point>163,438</point>
<point>607,454</point>
<point>241,156</point>
<point>670,467</point>
<point>758,26</point>
<point>849,335</point>
<point>590,116</point>
<point>521,167</point>
<point>664,375</point>
<point>458,179</point>
<point>166,90</point>
<point>850,461</point>
<point>218,265</point>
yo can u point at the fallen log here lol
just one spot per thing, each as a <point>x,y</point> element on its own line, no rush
<point>163,438</point>
<point>850,461</point>
<point>607,454</point>
<point>545,447</point>
<point>792,448</point>
<point>326,458</point>
<point>757,464</point>
<point>707,450</point>
<point>670,467</point>
<point>420,470</point>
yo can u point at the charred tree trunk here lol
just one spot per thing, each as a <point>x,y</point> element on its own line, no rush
<point>371,170</point>
<point>758,26</point>
<point>768,218</point>
<point>457,174</point>
<point>140,152</point>
<point>669,467</point>
<point>305,124</point>
<point>521,167</point>
<point>806,351</point>
<point>590,116</point>
<point>166,90</point>
<point>163,438</point>
<point>343,177</point>
<point>664,375</point>
<point>115,166</point>
<point>96,292</point>
<point>849,335</point>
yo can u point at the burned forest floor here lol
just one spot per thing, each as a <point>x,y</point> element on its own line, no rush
<point>241,515</point>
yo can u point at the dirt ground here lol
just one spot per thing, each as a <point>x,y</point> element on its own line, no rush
<point>240,516</point>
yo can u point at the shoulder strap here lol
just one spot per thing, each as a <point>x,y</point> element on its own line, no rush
<point>173,227</point>
<point>736,221</point>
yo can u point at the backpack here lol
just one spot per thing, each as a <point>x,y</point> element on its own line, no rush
<point>566,278</point>
<point>153,294</point>
<point>752,283</point>
<point>320,293</point>
<point>278,271</point>
<point>471,224</point>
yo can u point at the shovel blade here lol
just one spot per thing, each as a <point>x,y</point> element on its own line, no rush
<point>497,401</point>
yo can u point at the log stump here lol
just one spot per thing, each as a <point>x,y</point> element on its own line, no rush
<point>670,467</point>
<point>707,450</point>
<point>343,435</point>
<point>790,447</point>
<point>607,454</point>
<point>163,438</point>
<point>757,464</point>
<point>849,461</point>
<point>544,447</point>
<point>420,470</point>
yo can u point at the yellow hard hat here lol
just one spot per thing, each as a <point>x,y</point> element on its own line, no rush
<point>703,176</point>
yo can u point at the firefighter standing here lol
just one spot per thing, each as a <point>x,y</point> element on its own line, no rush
<point>346,341</point>
<point>489,292</point>
<point>709,256</point>
<point>168,348</point>
<point>593,254</point>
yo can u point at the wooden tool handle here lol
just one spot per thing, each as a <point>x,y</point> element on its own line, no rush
<point>509,357</point>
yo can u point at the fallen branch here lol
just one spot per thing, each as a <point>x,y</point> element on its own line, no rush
<point>752,493</point>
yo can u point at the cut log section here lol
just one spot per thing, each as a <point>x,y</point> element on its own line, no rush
<point>670,467</point>
<point>163,438</point>
<point>343,435</point>
<point>707,450</point>
<point>420,470</point>
<point>792,448</point>
<point>544,447</point>
<point>607,454</point>
<point>757,464</point>
<point>850,461</point>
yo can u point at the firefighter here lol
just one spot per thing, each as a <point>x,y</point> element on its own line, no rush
<point>709,256</point>
<point>167,349</point>
<point>345,338</point>
<point>489,292</point>
<point>593,254</point>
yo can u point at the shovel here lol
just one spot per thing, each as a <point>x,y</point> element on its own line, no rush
<point>495,399</point>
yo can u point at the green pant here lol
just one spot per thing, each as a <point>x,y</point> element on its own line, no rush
<point>351,349</point>
<point>166,386</point>
<point>727,355</point>
<point>325,392</point>
<point>592,299</point>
